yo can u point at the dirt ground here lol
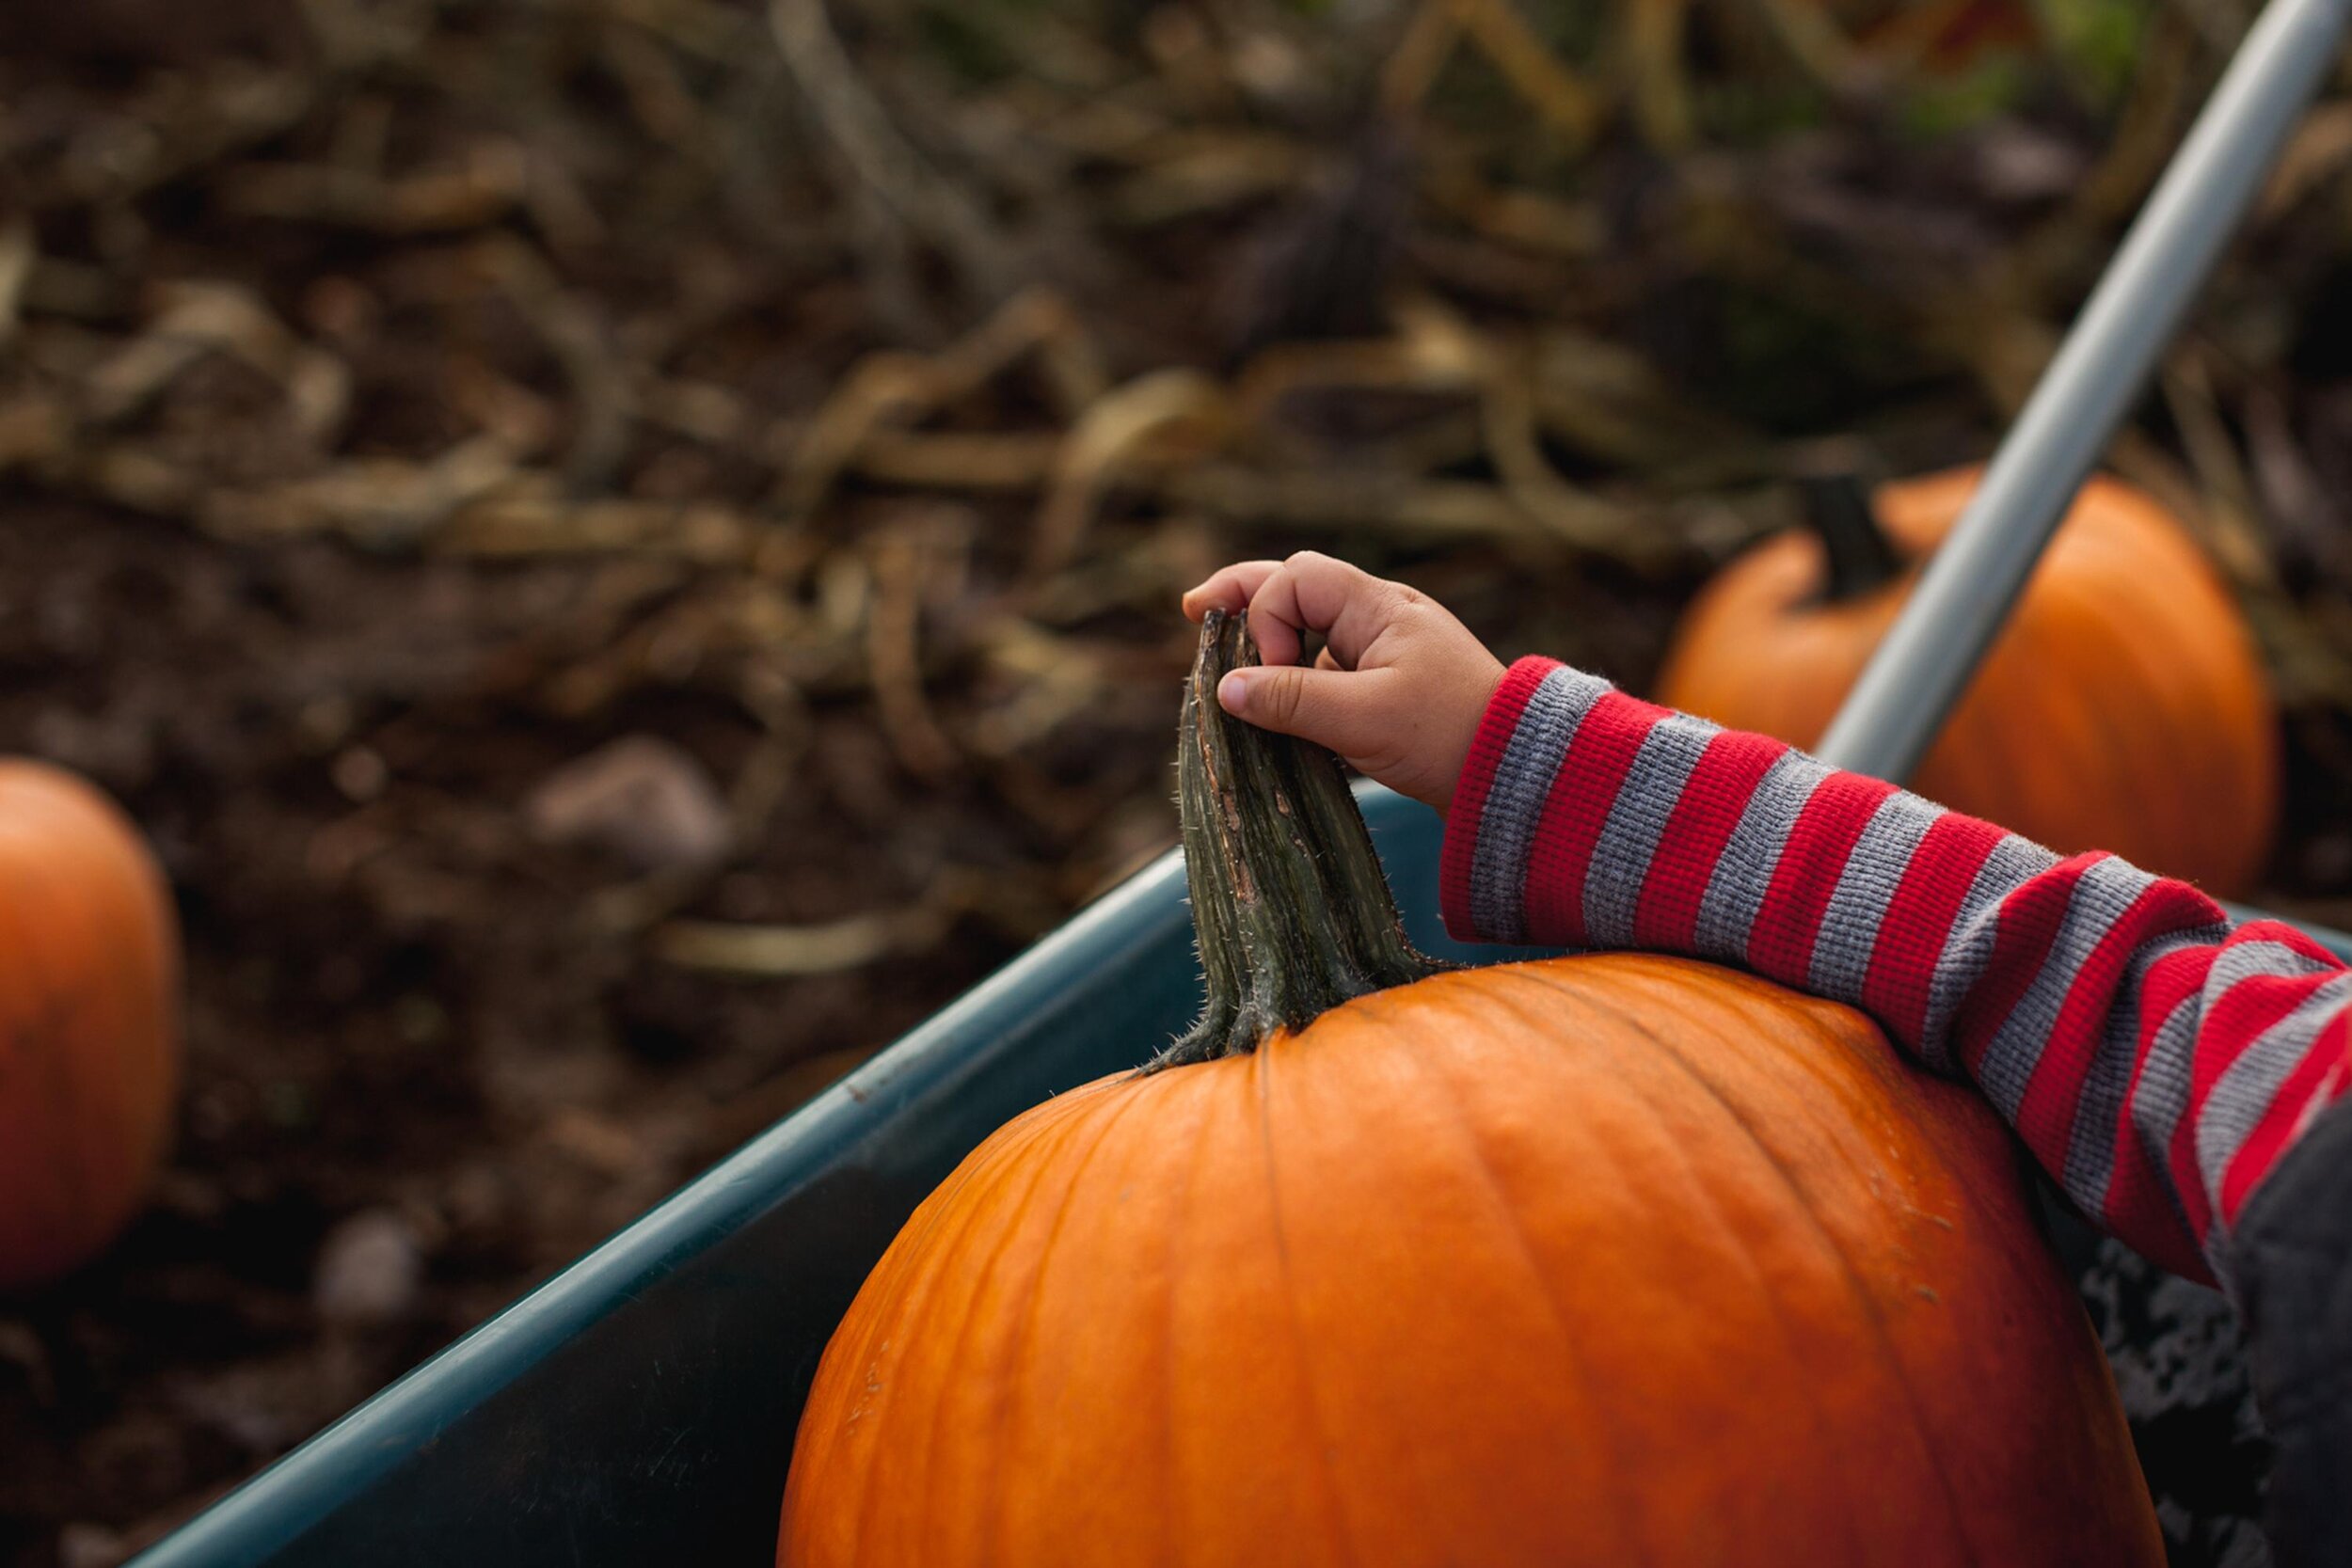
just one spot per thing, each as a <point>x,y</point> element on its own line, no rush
<point>623,551</point>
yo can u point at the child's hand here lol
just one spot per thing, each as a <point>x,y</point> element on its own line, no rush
<point>1398,689</point>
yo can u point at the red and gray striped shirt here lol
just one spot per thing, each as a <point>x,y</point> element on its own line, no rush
<point>2157,1058</point>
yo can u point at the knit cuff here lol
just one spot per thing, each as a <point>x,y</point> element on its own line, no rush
<point>1499,797</point>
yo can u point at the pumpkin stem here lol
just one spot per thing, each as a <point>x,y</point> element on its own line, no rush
<point>1861,557</point>
<point>1290,909</point>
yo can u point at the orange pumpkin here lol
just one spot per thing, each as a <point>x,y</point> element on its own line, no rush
<point>2125,707</point>
<point>1596,1260</point>
<point>88,1029</point>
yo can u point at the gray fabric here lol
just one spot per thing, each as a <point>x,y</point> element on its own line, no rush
<point>1743,873</point>
<point>2090,1148</point>
<point>2160,1098</point>
<point>1873,871</point>
<point>2292,1259</point>
<point>1637,821</point>
<point>1969,946</point>
<point>2101,897</point>
<point>1515,801</point>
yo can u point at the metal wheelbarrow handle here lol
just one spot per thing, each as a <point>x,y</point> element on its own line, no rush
<point>1897,708</point>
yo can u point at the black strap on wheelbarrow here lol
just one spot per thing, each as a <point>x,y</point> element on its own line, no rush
<point>2293,1258</point>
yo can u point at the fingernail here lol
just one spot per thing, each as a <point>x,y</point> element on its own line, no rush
<point>1233,692</point>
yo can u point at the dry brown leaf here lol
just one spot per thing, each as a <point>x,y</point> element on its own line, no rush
<point>825,947</point>
<point>1111,434</point>
<point>901,561</point>
<point>894,387</point>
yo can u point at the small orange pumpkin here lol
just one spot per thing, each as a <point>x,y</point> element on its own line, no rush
<point>1599,1260</point>
<point>2124,707</point>
<point>88,1021</point>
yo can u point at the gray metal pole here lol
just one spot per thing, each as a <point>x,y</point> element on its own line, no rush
<point>1920,669</point>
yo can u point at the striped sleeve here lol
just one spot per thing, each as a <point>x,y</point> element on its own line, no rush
<point>2156,1059</point>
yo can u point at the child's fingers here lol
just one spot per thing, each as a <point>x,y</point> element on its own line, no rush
<point>1228,588</point>
<point>1313,593</point>
<point>1327,661</point>
<point>1341,709</point>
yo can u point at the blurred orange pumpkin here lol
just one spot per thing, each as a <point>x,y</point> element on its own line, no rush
<point>89,1059</point>
<point>2125,707</point>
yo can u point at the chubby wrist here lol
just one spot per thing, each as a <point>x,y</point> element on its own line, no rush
<point>1459,708</point>
<point>1490,739</point>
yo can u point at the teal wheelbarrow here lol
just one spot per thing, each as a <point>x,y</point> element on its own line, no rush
<point>640,1407</point>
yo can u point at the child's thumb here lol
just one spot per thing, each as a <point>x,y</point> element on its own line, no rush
<point>1312,704</point>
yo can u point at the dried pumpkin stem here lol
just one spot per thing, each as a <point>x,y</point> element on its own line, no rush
<point>1861,558</point>
<point>1291,912</point>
